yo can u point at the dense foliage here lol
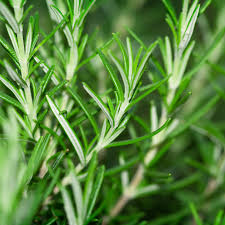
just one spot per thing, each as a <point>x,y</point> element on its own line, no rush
<point>112,112</point>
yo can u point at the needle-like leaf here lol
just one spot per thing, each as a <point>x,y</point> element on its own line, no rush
<point>122,73</point>
<point>59,16</point>
<point>123,50</point>
<point>195,117</point>
<point>141,66</point>
<point>68,205</point>
<point>85,109</point>
<point>78,196</point>
<point>12,88</point>
<point>29,37</point>
<point>11,101</point>
<point>99,102</point>
<point>112,75</point>
<point>135,140</point>
<point>95,190</point>
<point>89,184</point>
<point>68,130</point>
<point>9,17</point>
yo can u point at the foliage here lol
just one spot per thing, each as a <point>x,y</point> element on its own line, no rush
<point>103,129</point>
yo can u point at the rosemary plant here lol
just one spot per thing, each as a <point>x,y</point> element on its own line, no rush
<point>73,154</point>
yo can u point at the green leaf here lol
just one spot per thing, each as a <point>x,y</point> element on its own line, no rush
<point>185,81</point>
<point>170,9</point>
<point>219,217</point>
<point>85,12</point>
<point>46,79</point>
<point>30,205</point>
<point>51,221</point>
<point>151,88</point>
<point>60,17</point>
<point>51,93</point>
<point>217,68</point>
<point>25,14</point>
<point>68,206</point>
<point>205,6</point>
<point>82,46</point>
<point>12,88</point>
<point>180,184</point>
<point>23,3</point>
<point>111,107</point>
<point>29,37</point>
<point>34,68</point>
<point>69,4</point>
<point>58,138</point>
<point>9,49</point>
<point>172,28</point>
<point>40,118</point>
<point>34,88</point>
<point>77,8</point>
<point>163,51</point>
<point>45,68</point>
<point>185,59</point>
<point>218,38</point>
<point>130,56</point>
<point>36,158</point>
<point>85,109</point>
<point>9,17</point>
<point>183,100</point>
<point>189,16</point>
<point>190,24</point>
<point>115,134</point>
<point>213,130</point>
<point>194,117</point>
<point>169,58</point>
<point>141,66</point>
<point>195,214</point>
<point>122,49</point>
<point>24,124</point>
<point>85,61</point>
<point>84,137</point>
<point>89,184</point>
<point>55,160</point>
<point>122,73</point>
<point>170,218</point>
<point>112,75</point>
<point>60,55</point>
<point>160,153</point>
<point>13,74</point>
<point>103,132</point>
<point>135,36</point>
<point>96,189</point>
<point>13,39</point>
<point>135,140</point>
<point>35,31</point>
<point>128,164</point>
<point>141,121</point>
<point>100,103</point>
<point>49,36</point>
<point>137,58</point>
<point>70,133</point>
<point>81,119</point>
<point>78,196</point>
<point>200,166</point>
<point>158,67</point>
<point>11,101</point>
